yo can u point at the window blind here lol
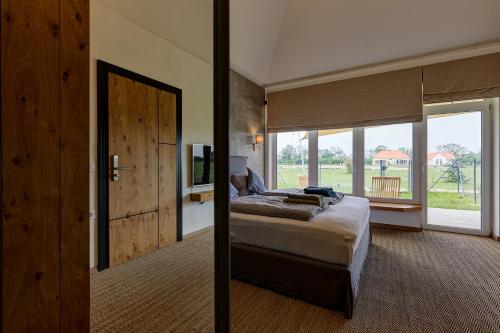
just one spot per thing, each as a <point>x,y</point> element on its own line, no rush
<point>387,98</point>
<point>469,78</point>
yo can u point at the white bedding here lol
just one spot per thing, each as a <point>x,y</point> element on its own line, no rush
<point>331,236</point>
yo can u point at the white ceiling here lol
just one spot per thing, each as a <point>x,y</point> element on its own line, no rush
<point>279,40</point>
<point>254,30</point>
<point>185,23</point>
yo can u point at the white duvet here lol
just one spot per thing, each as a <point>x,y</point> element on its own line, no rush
<point>331,236</point>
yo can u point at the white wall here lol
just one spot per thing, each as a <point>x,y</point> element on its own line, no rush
<point>403,219</point>
<point>117,40</point>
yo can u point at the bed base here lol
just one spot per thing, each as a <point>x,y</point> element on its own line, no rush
<point>328,285</point>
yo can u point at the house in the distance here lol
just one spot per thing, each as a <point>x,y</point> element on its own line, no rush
<point>391,158</point>
<point>439,158</point>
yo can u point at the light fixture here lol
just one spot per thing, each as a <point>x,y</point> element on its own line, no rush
<point>258,139</point>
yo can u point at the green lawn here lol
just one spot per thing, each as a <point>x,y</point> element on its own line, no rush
<point>453,200</point>
<point>340,180</point>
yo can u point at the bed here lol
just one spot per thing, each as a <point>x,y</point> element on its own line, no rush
<point>319,261</point>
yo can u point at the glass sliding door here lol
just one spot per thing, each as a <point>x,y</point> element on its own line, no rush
<point>457,167</point>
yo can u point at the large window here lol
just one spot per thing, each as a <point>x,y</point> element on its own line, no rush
<point>335,164</point>
<point>292,160</point>
<point>375,162</point>
<point>388,161</point>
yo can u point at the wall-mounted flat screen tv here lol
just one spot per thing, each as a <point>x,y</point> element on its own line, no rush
<point>203,164</point>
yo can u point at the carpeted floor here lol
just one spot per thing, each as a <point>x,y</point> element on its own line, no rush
<point>169,290</point>
<point>413,282</point>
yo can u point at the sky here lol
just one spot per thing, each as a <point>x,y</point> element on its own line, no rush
<point>463,129</point>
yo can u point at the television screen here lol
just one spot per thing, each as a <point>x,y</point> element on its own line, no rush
<point>203,164</point>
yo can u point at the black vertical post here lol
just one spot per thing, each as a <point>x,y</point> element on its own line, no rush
<point>221,141</point>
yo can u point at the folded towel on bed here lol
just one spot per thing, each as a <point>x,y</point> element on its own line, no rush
<point>327,192</point>
<point>311,197</point>
<point>324,191</point>
<point>274,206</point>
<point>308,199</point>
<point>295,191</point>
<point>322,204</point>
<point>301,201</point>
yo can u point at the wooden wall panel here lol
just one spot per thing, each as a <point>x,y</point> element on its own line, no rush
<point>167,116</point>
<point>31,165</point>
<point>74,99</point>
<point>167,223</point>
<point>44,120</point>
<point>132,237</point>
<point>133,136</point>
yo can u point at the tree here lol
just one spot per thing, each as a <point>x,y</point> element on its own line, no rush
<point>325,156</point>
<point>405,150</point>
<point>379,148</point>
<point>338,155</point>
<point>453,148</point>
<point>348,165</point>
<point>455,174</point>
<point>302,156</point>
<point>334,155</point>
<point>288,155</point>
<point>337,152</point>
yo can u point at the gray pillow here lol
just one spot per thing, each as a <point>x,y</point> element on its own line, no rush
<point>233,192</point>
<point>241,184</point>
<point>255,182</point>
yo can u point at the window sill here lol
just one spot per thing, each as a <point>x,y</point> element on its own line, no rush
<point>395,207</point>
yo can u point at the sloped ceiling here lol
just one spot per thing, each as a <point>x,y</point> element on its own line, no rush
<point>254,29</point>
<point>186,23</point>
<point>279,40</point>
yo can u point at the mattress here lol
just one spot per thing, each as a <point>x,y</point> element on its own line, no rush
<point>332,236</point>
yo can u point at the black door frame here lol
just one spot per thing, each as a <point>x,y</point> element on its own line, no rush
<point>221,141</point>
<point>103,171</point>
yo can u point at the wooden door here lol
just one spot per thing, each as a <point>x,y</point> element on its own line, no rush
<point>133,195</point>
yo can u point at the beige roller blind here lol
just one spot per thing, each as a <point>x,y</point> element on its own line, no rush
<point>385,98</point>
<point>470,78</point>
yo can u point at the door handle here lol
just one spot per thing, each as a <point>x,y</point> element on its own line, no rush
<point>123,168</point>
<point>116,168</point>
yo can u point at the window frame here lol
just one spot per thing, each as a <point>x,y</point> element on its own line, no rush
<point>272,156</point>
<point>416,172</point>
<point>487,141</point>
<point>358,174</point>
<point>354,160</point>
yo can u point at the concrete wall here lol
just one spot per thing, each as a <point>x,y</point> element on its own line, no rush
<point>247,118</point>
<point>118,40</point>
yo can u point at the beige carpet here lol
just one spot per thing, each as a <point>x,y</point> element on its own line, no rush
<point>413,282</point>
<point>169,290</point>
